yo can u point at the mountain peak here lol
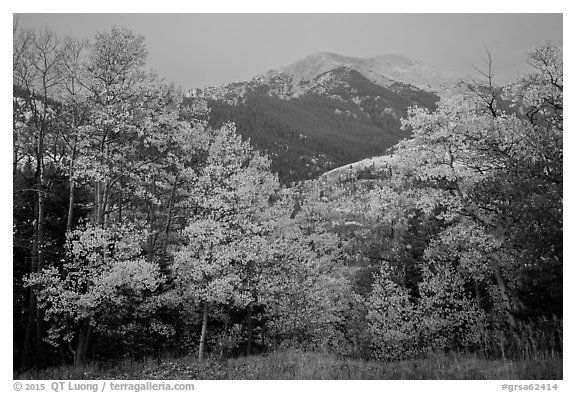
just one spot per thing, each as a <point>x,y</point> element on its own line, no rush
<point>391,59</point>
<point>383,70</point>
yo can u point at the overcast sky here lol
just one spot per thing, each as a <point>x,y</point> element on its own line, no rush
<point>196,50</point>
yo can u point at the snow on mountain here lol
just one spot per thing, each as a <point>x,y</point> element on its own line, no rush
<point>313,71</point>
<point>383,70</point>
<point>373,163</point>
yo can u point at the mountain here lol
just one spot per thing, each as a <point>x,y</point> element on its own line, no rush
<point>326,110</point>
<point>384,70</point>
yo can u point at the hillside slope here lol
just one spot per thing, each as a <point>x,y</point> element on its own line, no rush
<point>326,110</point>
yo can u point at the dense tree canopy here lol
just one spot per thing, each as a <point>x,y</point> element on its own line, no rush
<point>492,174</point>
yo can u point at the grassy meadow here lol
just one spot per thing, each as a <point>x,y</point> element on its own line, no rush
<point>301,365</point>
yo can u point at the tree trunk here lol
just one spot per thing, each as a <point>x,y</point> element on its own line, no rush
<point>151,222</point>
<point>36,257</point>
<point>84,338</point>
<point>26,359</point>
<point>40,241</point>
<point>169,217</point>
<point>97,198</point>
<point>120,200</point>
<point>504,295</point>
<point>31,322</point>
<point>477,293</point>
<point>100,187</point>
<point>105,216</point>
<point>79,355</point>
<point>70,206</point>
<point>100,201</point>
<point>203,334</point>
<point>72,186</point>
<point>14,148</point>
<point>249,330</point>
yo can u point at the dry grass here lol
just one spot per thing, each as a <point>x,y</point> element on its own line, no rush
<point>295,364</point>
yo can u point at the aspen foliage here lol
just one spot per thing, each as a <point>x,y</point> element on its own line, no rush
<point>104,279</point>
<point>480,168</point>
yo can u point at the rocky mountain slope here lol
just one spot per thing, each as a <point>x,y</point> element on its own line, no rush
<point>384,70</point>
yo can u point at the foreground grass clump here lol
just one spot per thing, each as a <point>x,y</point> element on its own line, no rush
<point>295,364</point>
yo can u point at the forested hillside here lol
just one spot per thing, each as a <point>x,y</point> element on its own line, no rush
<point>145,224</point>
<point>337,117</point>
